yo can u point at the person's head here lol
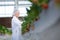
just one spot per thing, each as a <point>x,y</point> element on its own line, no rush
<point>16,13</point>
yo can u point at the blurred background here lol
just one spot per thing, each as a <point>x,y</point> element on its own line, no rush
<point>46,28</point>
<point>8,6</point>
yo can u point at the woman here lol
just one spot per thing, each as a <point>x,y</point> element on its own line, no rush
<point>16,26</point>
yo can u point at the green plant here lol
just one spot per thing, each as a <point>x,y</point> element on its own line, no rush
<point>33,13</point>
<point>5,30</point>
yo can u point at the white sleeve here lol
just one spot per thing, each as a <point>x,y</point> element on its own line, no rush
<point>16,22</point>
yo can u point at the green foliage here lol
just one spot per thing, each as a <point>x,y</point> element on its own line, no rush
<point>4,30</point>
<point>34,12</point>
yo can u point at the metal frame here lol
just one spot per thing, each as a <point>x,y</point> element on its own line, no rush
<point>16,5</point>
<point>13,0</point>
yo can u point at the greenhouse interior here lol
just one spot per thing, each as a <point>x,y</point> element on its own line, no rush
<point>29,19</point>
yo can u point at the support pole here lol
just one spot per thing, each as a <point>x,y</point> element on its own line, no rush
<point>16,5</point>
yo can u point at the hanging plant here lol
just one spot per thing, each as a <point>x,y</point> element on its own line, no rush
<point>33,13</point>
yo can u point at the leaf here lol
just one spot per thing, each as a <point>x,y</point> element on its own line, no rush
<point>33,13</point>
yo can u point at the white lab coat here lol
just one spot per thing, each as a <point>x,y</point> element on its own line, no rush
<point>16,29</point>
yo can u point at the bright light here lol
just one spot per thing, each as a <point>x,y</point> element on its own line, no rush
<point>2,10</point>
<point>7,11</point>
<point>2,3</point>
<point>23,11</point>
<point>24,2</point>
